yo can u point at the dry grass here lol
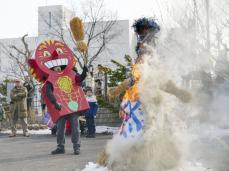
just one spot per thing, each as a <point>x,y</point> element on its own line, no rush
<point>102,158</point>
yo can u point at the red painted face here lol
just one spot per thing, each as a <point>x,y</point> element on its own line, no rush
<point>50,54</point>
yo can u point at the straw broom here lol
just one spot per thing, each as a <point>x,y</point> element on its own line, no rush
<point>114,92</point>
<point>77,29</point>
<point>102,158</point>
<point>182,94</point>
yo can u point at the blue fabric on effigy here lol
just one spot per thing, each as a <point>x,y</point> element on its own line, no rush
<point>132,126</point>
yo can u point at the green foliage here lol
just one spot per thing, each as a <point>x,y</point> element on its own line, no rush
<point>119,74</point>
<point>104,103</point>
<point>104,69</point>
<point>3,87</point>
<point>128,60</point>
<point>117,63</point>
<point>116,76</point>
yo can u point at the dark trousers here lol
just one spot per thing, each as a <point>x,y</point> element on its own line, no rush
<point>82,127</point>
<point>90,121</point>
<point>74,121</point>
<point>29,103</point>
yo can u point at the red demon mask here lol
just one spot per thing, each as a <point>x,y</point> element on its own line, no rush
<point>48,55</point>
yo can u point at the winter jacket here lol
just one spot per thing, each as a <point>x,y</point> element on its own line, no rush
<point>30,90</point>
<point>93,107</point>
<point>18,98</point>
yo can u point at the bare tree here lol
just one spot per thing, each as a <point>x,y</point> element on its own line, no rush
<point>18,56</point>
<point>99,30</point>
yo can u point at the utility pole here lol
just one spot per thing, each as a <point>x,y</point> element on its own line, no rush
<point>46,2</point>
<point>195,19</point>
<point>105,85</point>
<point>219,40</point>
<point>0,61</point>
<point>207,26</point>
<point>195,15</point>
<point>226,49</point>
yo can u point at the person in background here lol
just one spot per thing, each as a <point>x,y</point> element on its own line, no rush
<point>28,84</point>
<point>43,105</point>
<point>18,97</point>
<point>82,122</point>
<point>91,113</point>
<point>2,114</point>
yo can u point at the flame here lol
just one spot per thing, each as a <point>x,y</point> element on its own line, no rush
<point>135,72</point>
<point>132,93</point>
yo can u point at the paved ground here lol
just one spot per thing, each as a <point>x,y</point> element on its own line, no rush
<point>213,153</point>
<point>33,153</point>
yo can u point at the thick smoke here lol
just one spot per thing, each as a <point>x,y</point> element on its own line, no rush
<point>177,136</point>
<point>206,118</point>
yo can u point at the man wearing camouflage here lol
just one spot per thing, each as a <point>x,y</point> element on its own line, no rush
<point>19,108</point>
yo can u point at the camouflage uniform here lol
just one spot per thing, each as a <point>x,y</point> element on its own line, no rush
<point>19,109</point>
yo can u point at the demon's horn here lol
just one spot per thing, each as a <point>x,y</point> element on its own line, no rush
<point>31,70</point>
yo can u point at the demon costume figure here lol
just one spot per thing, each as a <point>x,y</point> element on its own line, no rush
<point>53,64</point>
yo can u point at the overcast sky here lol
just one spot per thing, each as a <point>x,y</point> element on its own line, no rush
<point>18,17</point>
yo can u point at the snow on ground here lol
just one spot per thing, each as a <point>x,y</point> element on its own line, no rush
<point>186,167</point>
<point>32,132</point>
<point>190,166</point>
<point>99,130</point>
<point>216,132</point>
<point>106,129</point>
<point>94,167</point>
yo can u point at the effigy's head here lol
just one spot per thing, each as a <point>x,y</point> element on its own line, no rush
<point>51,57</point>
<point>144,25</point>
<point>145,29</point>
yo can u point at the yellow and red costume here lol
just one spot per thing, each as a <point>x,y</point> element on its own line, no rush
<point>65,84</point>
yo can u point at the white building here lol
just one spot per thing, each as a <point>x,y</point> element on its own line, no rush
<point>55,18</point>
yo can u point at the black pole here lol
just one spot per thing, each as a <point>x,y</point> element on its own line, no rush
<point>105,85</point>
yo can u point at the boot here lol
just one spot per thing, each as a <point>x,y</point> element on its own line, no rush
<point>90,136</point>
<point>53,132</point>
<point>77,150</point>
<point>58,151</point>
<point>12,135</point>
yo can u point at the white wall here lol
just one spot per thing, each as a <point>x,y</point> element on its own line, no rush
<point>47,17</point>
<point>116,49</point>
